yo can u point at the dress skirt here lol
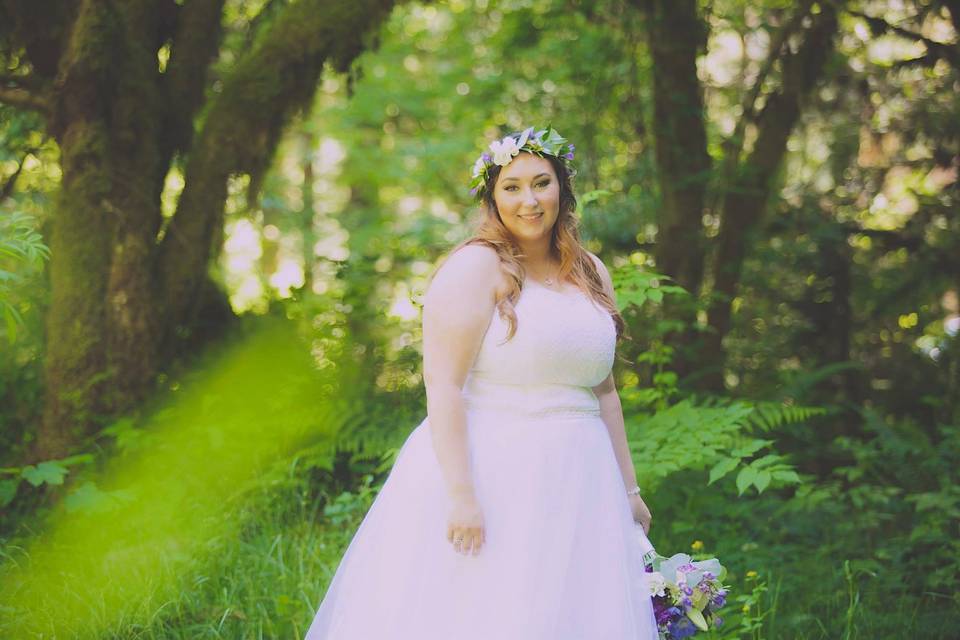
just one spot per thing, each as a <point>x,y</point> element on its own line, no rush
<point>560,561</point>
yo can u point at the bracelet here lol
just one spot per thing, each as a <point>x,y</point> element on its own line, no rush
<point>635,491</point>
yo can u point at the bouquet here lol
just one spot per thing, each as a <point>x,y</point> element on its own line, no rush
<point>686,594</point>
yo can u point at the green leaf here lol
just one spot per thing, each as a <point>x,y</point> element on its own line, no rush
<point>90,498</point>
<point>787,476</point>
<point>762,481</point>
<point>745,478</point>
<point>49,472</point>
<point>697,619</point>
<point>751,447</point>
<point>768,459</point>
<point>8,491</point>
<point>722,468</point>
<point>13,317</point>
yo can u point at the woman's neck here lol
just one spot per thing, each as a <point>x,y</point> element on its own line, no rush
<point>538,256</point>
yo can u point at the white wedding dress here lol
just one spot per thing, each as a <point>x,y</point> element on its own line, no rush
<point>561,559</point>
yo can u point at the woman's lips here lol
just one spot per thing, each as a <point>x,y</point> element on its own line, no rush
<point>531,218</point>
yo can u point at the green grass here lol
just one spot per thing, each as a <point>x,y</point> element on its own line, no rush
<point>264,575</point>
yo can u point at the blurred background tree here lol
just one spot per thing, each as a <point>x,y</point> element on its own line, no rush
<point>792,165</point>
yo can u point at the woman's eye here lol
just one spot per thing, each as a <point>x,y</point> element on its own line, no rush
<point>541,185</point>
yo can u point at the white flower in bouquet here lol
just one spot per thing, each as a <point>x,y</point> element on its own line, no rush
<point>656,583</point>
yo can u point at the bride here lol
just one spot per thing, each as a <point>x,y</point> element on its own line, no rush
<point>509,512</point>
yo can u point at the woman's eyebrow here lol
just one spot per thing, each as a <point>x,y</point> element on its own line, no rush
<point>539,175</point>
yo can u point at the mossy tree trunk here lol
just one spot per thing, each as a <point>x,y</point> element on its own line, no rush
<point>130,290</point>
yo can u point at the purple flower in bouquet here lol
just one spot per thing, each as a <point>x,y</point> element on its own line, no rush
<point>685,593</point>
<point>664,612</point>
<point>681,628</point>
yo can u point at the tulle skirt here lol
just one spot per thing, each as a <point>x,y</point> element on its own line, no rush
<point>560,560</point>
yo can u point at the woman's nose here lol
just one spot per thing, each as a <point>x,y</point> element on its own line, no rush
<point>528,197</point>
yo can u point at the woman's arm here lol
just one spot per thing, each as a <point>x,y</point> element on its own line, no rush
<point>457,309</point>
<point>612,413</point>
<point>610,408</point>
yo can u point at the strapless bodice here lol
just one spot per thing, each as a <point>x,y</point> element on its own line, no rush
<point>564,345</point>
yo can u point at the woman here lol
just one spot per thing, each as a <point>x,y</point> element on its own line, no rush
<point>509,512</point>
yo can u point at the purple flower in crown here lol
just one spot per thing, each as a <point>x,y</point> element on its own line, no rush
<point>717,620</point>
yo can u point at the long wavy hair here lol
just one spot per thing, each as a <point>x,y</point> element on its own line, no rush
<point>565,244</point>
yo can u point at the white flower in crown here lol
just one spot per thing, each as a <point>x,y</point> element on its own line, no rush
<point>504,150</point>
<point>479,166</point>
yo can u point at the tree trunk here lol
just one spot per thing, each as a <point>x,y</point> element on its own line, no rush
<point>101,324</point>
<point>307,213</point>
<point>745,200</point>
<point>127,293</point>
<point>675,35</point>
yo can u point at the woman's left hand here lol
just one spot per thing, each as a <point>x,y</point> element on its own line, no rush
<point>640,511</point>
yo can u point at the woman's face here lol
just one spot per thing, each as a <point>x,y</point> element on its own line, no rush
<point>527,195</point>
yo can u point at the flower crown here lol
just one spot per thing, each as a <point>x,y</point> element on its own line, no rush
<point>501,152</point>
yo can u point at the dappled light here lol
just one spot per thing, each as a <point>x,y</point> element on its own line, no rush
<point>118,547</point>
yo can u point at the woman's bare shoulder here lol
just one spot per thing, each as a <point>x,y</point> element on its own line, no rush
<point>473,267</point>
<point>603,272</point>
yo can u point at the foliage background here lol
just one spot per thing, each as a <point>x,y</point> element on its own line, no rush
<point>824,475</point>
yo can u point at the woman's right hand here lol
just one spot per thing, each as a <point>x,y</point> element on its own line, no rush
<point>465,528</point>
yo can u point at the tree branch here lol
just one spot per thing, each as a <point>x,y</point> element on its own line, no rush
<point>23,98</point>
<point>953,6</point>
<point>749,104</point>
<point>948,52</point>
<point>244,122</point>
<point>6,190</point>
<point>196,40</point>
<point>733,146</point>
<point>743,205</point>
<point>42,29</point>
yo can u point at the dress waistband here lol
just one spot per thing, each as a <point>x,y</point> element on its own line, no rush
<point>529,401</point>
